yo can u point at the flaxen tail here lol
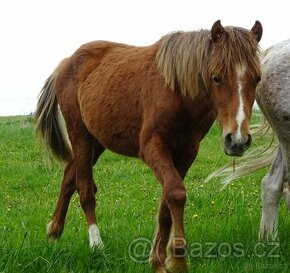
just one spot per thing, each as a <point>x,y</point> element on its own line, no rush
<point>49,127</point>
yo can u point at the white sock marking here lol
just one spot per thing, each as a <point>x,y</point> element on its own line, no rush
<point>95,237</point>
<point>49,227</point>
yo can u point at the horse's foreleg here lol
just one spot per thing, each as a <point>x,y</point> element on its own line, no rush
<point>271,193</point>
<point>56,225</point>
<point>158,252</point>
<point>156,155</point>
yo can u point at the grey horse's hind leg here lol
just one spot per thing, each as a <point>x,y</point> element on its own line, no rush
<point>286,193</point>
<point>271,194</point>
<point>286,176</point>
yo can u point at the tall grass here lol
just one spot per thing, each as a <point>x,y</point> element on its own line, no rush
<point>221,226</point>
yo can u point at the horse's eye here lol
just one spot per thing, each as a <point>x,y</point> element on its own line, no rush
<point>217,78</point>
<point>258,78</point>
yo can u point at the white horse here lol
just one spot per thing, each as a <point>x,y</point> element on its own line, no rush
<point>273,98</point>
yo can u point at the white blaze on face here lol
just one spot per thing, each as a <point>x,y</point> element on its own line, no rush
<point>240,71</point>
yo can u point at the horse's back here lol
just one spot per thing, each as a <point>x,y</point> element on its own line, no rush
<point>111,82</point>
<point>276,54</point>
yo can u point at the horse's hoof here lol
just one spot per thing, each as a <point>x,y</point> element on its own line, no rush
<point>160,269</point>
<point>176,265</point>
<point>268,231</point>
<point>52,232</point>
<point>97,245</point>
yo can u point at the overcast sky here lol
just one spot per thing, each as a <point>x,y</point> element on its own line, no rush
<point>37,34</point>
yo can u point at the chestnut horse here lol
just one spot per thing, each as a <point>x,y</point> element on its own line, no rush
<point>157,103</point>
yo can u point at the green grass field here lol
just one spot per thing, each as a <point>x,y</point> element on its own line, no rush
<point>221,226</point>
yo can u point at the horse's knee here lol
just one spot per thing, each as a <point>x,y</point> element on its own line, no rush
<point>271,190</point>
<point>176,196</point>
<point>272,183</point>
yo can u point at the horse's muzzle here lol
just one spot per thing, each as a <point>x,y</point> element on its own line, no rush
<point>236,148</point>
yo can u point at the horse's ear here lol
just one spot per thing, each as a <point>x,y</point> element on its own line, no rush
<point>217,31</point>
<point>257,30</point>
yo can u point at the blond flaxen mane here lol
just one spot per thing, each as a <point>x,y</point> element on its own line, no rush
<point>189,59</point>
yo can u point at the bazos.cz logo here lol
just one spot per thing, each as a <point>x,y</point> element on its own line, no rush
<point>139,250</point>
<point>213,250</point>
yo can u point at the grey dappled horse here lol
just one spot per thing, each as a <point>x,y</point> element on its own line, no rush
<point>273,98</point>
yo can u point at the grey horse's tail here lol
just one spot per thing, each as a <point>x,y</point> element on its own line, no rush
<point>255,160</point>
<point>48,121</point>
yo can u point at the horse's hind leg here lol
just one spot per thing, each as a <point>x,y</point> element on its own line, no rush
<point>94,234</point>
<point>286,193</point>
<point>271,194</point>
<point>68,187</point>
<point>83,149</point>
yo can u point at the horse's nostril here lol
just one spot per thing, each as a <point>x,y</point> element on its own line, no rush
<point>236,147</point>
<point>249,141</point>
<point>228,140</point>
